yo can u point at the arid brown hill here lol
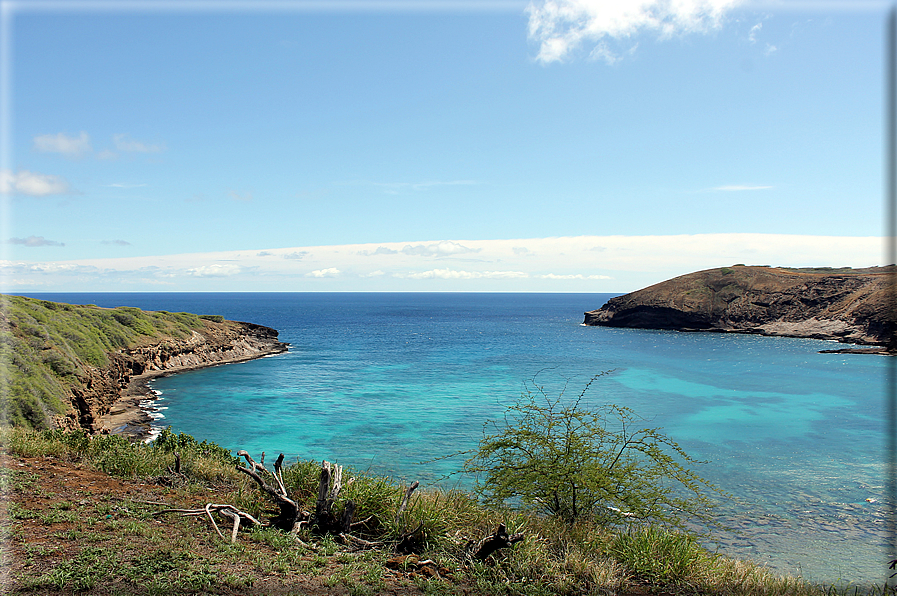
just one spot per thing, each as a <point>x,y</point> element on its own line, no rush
<point>848,305</point>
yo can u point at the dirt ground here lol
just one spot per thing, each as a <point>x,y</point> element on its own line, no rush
<point>68,529</point>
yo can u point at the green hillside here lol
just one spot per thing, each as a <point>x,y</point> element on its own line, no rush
<point>46,346</point>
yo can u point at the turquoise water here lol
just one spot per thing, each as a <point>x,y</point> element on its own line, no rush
<point>391,382</point>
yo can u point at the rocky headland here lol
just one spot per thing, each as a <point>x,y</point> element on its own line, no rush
<point>82,366</point>
<point>846,305</point>
<point>110,399</point>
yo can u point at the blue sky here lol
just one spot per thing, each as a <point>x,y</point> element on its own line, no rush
<point>564,145</point>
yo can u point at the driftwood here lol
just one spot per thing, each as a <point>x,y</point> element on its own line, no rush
<point>404,504</point>
<point>407,542</point>
<point>291,516</point>
<point>228,511</point>
<point>325,519</point>
<point>498,539</point>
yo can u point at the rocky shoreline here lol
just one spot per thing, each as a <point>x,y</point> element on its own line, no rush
<point>130,414</point>
<point>844,305</point>
<point>114,401</point>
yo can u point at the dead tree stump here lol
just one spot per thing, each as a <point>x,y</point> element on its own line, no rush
<point>325,519</point>
<point>499,539</point>
<point>290,514</point>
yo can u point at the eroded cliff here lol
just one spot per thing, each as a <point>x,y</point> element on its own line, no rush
<point>66,365</point>
<point>219,343</point>
<point>847,305</point>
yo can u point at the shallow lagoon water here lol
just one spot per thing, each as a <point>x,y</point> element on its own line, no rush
<point>391,382</point>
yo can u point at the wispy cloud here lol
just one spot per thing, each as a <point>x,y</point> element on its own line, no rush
<point>126,144</point>
<point>32,241</point>
<point>740,187</point>
<point>560,27</point>
<point>244,198</point>
<point>575,263</point>
<point>455,274</point>
<point>329,272</point>
<point>381,250</point>
<point>438,249</point>
<point>214,270</point>
<point>397,187</point>
<point>573,276</point>
<point>755,30</point>
<point>117,242</point>
<point>65,145</point>
<point>32,184</point>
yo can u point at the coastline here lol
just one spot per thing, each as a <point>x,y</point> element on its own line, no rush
<point>129,415</point>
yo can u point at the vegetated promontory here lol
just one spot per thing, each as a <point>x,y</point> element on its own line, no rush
<point>67,366</point>
<point>847,305</point>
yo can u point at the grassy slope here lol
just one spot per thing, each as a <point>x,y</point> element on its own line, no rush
<point>45,346</point>
<point>108,536</point>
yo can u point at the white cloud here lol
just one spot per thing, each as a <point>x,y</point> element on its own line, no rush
<point>245,198</point>
<point>214,270</point>
<point>125,143</point>
<point>296,254</point>
<point>381,250</point>
<point>329,272</point>
<point>117,242</point>
<point>438,249</point>
<point>562,26</point>
<point>32,184</point>
<point>575,276</point>
<point>65,145</point>
<point>755,30</point>
<point>620,264</point>
<point>35,241</point>
<point>452,274</point>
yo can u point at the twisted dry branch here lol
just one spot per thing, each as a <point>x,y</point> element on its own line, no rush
<point>225,510</point>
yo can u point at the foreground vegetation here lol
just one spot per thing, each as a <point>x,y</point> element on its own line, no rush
<point>45,347</point>
<point>117,543</point>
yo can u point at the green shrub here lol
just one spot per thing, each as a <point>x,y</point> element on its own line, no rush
<point>554,457</point>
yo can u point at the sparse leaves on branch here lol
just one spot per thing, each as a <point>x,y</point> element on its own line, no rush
<point>560,458</point>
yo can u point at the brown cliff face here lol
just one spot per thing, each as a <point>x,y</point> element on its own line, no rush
<point>219,343</point>
<point>845,305</point>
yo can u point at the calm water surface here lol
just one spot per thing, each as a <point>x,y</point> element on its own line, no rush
<point>389,382</point>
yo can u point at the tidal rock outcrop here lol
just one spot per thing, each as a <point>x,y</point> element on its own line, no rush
<point>101,389</point>
<point>847,305</point>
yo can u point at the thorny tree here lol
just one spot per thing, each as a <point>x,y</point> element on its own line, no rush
<point>558,457</point>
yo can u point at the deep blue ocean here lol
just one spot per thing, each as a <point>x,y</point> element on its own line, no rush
<point>391,382</point>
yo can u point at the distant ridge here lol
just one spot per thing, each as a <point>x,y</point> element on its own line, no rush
<point>847,305</point>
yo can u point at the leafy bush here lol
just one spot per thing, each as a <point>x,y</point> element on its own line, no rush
<point>170,442</point>
<point>557,458</point>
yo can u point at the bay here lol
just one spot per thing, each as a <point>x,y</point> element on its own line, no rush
<point>392,383</point>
